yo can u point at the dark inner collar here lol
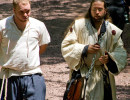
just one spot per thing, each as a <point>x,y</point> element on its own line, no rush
<point>103,29</point>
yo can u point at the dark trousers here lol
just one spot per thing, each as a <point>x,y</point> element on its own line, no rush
<point>30,87</point>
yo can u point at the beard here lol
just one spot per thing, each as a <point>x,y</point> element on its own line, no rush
<point>98,18</point>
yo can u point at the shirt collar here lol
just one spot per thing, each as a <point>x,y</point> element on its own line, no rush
<point>12,21</point>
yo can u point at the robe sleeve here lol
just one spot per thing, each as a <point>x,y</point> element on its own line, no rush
<point>118,58</point>
<point>71,49</point>
<point>85,51</point>
<point>112,66</point>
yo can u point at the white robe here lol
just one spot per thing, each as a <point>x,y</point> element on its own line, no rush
<point>82,34</point>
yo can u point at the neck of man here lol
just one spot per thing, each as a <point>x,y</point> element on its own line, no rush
<point>98,24</point>
<point>20,24</point>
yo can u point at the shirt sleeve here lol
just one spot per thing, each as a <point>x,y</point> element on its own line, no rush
<point>44,37</point>
<point>85,50</point>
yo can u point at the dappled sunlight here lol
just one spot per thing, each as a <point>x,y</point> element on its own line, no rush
<point>59,9</point>
<point>123,92</point>
<point>57,16</point>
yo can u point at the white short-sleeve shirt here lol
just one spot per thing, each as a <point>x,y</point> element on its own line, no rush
<point>19,51</point>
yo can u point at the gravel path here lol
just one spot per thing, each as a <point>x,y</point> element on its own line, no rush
<point>56,76</point>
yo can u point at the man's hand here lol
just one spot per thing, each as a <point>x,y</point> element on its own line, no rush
<point>104,59</point>
<point>42,48</point>
<point>94,48</point>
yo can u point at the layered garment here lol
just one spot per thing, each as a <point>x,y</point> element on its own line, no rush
<point>81,34</point>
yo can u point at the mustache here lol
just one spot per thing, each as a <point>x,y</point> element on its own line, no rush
<point>100,18</point>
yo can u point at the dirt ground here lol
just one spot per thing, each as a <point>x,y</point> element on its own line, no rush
<point>57,15</point>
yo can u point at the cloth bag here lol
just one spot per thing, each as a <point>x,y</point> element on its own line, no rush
<point>74,87</point>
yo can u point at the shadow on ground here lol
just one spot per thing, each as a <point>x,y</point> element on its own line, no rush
<point>57,15</point>
<point>123,92</point>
